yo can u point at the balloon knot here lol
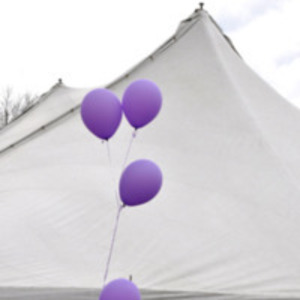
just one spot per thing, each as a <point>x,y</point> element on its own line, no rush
<point>134,133</point>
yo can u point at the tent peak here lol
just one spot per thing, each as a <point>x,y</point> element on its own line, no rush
<point>201,5</point>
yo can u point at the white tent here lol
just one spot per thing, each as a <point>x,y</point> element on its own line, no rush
<point>226,223</point>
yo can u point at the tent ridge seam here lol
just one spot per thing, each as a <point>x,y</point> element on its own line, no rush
<point>166,45</point>
<point>228,40</point>
<point>174,38</point>
<point>40,129</point>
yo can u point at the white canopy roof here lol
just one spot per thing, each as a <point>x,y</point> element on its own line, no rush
<point>226,223</point>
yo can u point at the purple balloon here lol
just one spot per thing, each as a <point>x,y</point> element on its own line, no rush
<point>101,112</point>
<point>140,182</point>
<point>141,102</point>
<point>120,289</point>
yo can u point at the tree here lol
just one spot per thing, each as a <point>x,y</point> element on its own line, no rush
<point>12,107</point>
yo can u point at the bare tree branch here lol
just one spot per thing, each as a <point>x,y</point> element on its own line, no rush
<point>12,107</point>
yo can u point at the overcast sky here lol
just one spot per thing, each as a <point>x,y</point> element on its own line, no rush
<point>89,43</point>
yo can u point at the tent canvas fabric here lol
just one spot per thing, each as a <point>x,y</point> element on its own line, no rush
<point>226,222</point>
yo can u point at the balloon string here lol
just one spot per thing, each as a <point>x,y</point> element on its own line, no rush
<point>112,173</point>
<point>133,136</point>
<point>113,239</point>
